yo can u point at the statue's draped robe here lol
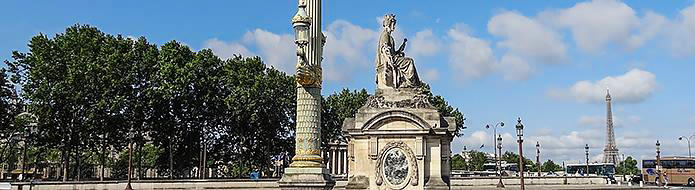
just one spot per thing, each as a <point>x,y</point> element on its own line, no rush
<point>393,70</point>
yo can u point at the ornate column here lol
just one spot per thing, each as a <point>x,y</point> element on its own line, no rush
<point>307,170</point>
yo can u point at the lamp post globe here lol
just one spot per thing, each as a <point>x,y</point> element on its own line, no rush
<point>519,128</point>
<point>300,24</point>
<point>688,139</point>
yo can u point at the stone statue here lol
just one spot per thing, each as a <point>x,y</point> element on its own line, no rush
<point>393,68</point>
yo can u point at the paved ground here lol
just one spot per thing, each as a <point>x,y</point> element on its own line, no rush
<point>569,187</point>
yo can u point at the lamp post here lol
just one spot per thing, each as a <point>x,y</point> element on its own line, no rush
<point>494,141</point>
<point>499,164</point>
<point>586,151</point>
<point>520,134</point>
<point>688,139</point>
<point>538,157</point>
<point>658,162</point>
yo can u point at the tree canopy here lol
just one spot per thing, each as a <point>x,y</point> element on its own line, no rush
<point>94,93</point>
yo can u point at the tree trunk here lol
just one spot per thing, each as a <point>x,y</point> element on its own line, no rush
<point>205,159</point>
<point>66,164</point>
<point>171,160</point>
<point>79,164</point>
<point>139,145</point>
<point>103,161</point>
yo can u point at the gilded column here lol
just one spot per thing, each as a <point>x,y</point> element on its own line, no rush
<point>307,170</point>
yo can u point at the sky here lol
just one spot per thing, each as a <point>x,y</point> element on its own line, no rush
<point>548,62</point>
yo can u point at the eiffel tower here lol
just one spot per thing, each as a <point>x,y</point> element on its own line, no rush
<point>610,153</point>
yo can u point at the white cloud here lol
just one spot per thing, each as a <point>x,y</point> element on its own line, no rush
<point>632,87</point>
<point>682,32</point>
<point>430,75</point>
<point>595,23</point>
<point>347,50</point>
<point>469,55</point>
<point>598,23</point>
<point>527,38</point>
<point>277,50</point>
<point>425,43</point>
<point>226,50</point>
<point>514,68</point>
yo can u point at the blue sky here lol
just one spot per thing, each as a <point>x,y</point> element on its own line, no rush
<point>548,62</point>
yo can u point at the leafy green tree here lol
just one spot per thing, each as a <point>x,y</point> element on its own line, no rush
<point>478,159</point>
<point>551,166</point>
<point>446,110</point>
<point>627,167</point>
<point>173,118</point>
<point>59,77</point>
<point>458,163</point>
<point>9,108</point>
<point>336,108</point>
<point>511,157</point>
<point>259,112</point>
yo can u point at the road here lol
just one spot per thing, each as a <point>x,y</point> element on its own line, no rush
<point>567,187</point>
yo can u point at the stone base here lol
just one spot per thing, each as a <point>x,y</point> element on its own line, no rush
<point>357,182</point>
<point>306,179</point>
<point>436,182</point>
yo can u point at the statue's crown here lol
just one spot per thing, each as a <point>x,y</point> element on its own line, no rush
<point>389,18</point>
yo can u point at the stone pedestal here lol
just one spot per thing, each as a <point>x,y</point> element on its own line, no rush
<point>398,140</point>
<point>306,179</point>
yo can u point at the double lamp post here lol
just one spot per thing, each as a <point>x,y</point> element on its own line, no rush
<point>498,141</point>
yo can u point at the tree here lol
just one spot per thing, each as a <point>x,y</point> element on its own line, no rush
<point>446,110</point>
<point>9,108</point>
<point>478,159</point>
<point>336,108</point>
<point>627,167</point>
<point>550,166</point>
<point>458,163</point>
<point>511,157</point>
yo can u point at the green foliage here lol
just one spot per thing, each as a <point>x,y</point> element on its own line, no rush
<point>446,110</point>
<point>93,93</point>
<point>511,157</point>
<point>628,166</point>
<point>458,163</point>
<point>551,166</point>
<point>478,159</point>
<point>336,108</point>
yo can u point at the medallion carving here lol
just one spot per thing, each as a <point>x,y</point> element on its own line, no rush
<point>397,165</point>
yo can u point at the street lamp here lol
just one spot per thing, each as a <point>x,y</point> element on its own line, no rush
<point>538,157</point>
<point>520,134</point>
<point>688,139</point>
<point>499,164</point>
<point>658,162</point>
<point>494,133</point>
<point>300,23</point>
<point>586,151</point>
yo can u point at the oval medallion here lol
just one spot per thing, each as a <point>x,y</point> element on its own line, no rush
<point>395,166</point>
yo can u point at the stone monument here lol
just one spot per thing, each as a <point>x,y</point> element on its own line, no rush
<point>307,170</point>
<point>398,140</point>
